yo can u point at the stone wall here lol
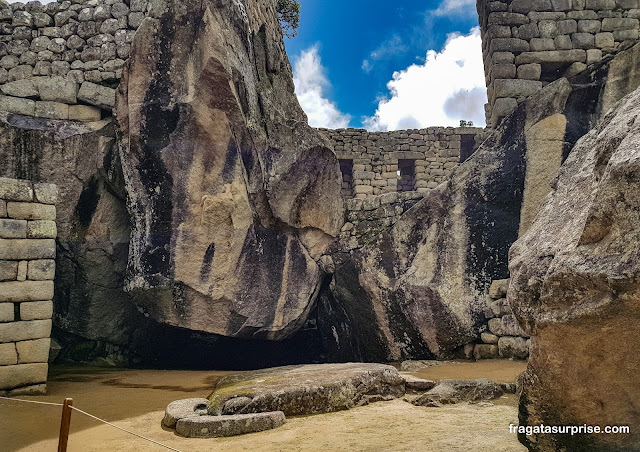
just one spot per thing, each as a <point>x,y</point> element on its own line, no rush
<point>503,338</point>
<point>366,218</point>
<point>527,44</point>
<point>374,163</point>
<point>63,60</point>
<point>27,268</point>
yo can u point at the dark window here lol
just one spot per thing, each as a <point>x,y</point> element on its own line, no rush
<point>467,146</point>
<point>406,175</point>
<point>346,167</point>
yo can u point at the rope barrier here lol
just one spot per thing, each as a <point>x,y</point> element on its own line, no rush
<point>30,401</point>
<point>96,418</point>
<point>125,430</point>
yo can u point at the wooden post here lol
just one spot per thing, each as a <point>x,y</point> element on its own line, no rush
<point>65,424</point>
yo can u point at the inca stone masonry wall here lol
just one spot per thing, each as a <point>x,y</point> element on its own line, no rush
<point>63,60</point>
<point>27,268</point>
<point>375,163</point>
<point>529,43</point>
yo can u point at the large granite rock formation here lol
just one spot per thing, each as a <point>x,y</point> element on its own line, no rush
<point>418,289</point>
<point>93,224</point>
<point>574,287</point>
<point>233,196</point>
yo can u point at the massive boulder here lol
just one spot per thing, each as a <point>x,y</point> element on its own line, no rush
<point>418,290</point>
<point>307,389</point>
<point>575,288</point>
<point>233,197</point>
<point>92,220</point>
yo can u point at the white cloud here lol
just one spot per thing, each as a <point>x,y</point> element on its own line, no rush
<point>309,77</point>
<point>448,87</point>
<point>455,8</point>
<point>387,50</point>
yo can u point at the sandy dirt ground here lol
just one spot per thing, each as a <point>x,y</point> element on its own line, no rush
<point>135,400</point>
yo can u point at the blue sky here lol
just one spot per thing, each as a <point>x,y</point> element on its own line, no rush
<point>366,63</point>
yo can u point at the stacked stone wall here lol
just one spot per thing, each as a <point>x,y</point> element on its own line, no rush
<point>366,218</point>
<point>530,43</point>
<point>27,269</point>
<point>503,337</point>
<point>377,158</point>
<point>63,60</point>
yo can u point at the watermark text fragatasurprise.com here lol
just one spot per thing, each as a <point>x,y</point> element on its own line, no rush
<point>569,429</point>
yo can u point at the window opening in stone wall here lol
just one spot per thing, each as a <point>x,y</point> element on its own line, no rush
<point>346,167</point>
<point>467,146</point>
<point>407,175</point>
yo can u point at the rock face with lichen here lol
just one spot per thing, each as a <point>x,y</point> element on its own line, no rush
<point>574,287</point>
<point>307,389</point>
<point>233,197</point>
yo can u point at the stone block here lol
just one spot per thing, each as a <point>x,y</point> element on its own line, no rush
<point>20,88</point>
<point>563,42</point>
<point>529,71</point>
<point>3,208</point>
<point>36,351</point>
<point>58,89</point>
<point>8,355</point>
<point>485,351</point>
<point>503,71</point>
<point>604,40</point>
<point>506,18</point>
<point>503,57</point>
<point>499,31</point>
<point>625,35</point>
<point>13,229</point>
<point>504,106</point>
<point>22,271</point>
<point>583,40</point>
<point>32,390</point>
<point>42,229</point>
<point>31,211</point>
<point>363,175</point>
<point>22,375</point>
<point>489,338</point>
<point>526,6</point>
<point>566,27</point>
<point>97,95</point>
<point>498,288</point>
<point>513,347</point>
<point>84,113</point>
<point>52,110</point>
<point>557,56</point>
<point>41,270</point>
<point>26,290</point>
<point>231,425</point>
<point>574,69</point>
<point>589,26</point>
<point>27,249</point>
<point>614,24</point>
<point>15,190</point>
<point>594,55</point>
<point>499,307</point>
<point>508,45</point>
<point>46,193</point>
<point>598,5</point>
<point>8,270</point>
<point>506,326</point>
<point>7,313</point>
<point>363,189</point>
<point>548,29</point>
<point>515,88</point>
<point>542,44</point>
